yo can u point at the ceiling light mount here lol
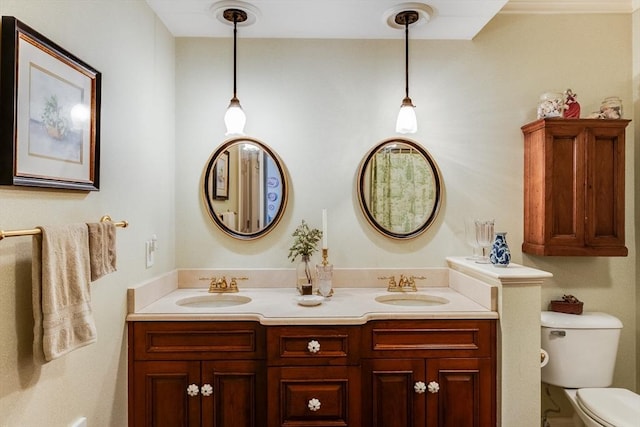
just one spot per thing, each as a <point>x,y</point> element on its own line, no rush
<point>407,17</point>
<point>235,16</point>
<point>424,12</point>
<point>224,11</point>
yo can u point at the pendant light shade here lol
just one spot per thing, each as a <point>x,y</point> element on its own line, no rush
<point>234,118</point>
<point>407,121</point>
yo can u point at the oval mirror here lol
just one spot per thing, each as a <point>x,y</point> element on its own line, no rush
<point>399,188</point>
<point>244,187</point>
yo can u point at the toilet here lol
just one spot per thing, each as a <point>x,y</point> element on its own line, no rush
<point>582,354</point>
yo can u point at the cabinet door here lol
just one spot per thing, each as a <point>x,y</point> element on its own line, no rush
<point>605,188</point>
<point>389,397</point>
<point>464,396</point>
<point>238,395</point>
<point>565,162</point>
<point>159,397</point>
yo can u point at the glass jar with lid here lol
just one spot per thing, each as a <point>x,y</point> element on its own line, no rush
<point>551,105</point>
<point>611,108</point>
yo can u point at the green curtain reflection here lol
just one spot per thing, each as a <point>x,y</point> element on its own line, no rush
<point>402,191</point>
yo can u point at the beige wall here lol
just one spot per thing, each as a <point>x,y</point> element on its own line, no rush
<point>321,104</point>
<point>135,53</point>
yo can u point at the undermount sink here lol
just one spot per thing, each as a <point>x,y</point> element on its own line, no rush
<point>421,300</point>
<point>213,301</point>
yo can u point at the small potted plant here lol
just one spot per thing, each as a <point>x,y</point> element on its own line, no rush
<point>54,122</point>
<point>304,245</point>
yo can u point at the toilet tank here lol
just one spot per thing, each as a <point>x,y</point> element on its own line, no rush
<point>582,348</point>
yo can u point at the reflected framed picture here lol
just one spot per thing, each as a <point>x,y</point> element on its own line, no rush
<point>49,113</point>
<point>221,178</point>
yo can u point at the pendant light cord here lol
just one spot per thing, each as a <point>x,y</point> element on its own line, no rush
<point>406,57</point>
<point>235,35</point>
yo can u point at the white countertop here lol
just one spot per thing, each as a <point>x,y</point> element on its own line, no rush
<point>279,306</point>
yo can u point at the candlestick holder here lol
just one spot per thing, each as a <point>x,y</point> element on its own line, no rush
<point>324,275</point>
<point>325,255</point>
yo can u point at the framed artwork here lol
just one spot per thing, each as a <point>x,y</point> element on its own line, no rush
<point>49,113</point>
<point>221,178</point>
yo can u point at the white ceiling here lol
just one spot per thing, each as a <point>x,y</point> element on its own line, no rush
<point>358,19</point>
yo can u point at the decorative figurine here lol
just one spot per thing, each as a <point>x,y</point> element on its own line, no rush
<point>572,107</point>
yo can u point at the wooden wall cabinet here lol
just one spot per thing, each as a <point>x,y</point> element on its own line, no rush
<point>574,172</point>
<point>289,376</point>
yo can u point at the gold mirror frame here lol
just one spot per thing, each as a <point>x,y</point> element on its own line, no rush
<point>223,181</point>
<point>431,185</point>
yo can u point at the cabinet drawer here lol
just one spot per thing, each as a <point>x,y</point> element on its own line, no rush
<point>197,340</point>
<point>302,345</point>
<point>432,338</point>
<point>314,396</point>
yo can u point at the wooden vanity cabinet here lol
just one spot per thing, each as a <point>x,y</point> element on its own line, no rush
<point>429,373</point>
<point>196,374</point>
<point>574,172</point>
<point>294,376</point>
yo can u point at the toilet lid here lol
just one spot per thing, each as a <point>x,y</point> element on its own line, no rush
<point>614,407</point>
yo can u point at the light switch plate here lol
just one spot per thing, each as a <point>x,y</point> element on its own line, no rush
<point>149,252</point>
<point>80,422</point>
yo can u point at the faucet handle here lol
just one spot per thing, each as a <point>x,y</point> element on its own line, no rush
<point>391,285</point>
<point>214,283</point>
<point>412,282</point>
<point>233,286</point>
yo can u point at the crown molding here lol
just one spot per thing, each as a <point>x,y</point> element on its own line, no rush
<point>570,6</point>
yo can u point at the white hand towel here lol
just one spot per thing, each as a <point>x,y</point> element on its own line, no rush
<point>61,295</point>
<point>102,249</point>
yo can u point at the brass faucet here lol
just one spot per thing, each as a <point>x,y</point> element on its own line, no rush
<point>220,285</point>
<point>404,284</point>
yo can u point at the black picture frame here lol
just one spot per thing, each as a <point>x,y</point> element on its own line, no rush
<point>49,113</point>
<point>221,177</point>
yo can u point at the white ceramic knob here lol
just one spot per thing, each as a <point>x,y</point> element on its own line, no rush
<point>314,404</point>
<point>313,346</point>
<point>193,390</point>
<point>419,387</point>
<point>433,387</point>
<point>206,390</point>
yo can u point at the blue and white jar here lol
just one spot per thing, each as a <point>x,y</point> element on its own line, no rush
<point>500,255</point>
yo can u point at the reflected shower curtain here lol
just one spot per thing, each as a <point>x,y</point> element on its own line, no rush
<point>402,195</point>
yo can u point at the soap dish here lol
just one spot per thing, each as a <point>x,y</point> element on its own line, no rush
<point>310,300</point>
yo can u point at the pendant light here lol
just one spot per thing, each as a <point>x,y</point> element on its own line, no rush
<point>234,118</point>
<point>406,122</point>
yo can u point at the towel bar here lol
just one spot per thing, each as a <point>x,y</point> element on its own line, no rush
<point>32,231</point>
